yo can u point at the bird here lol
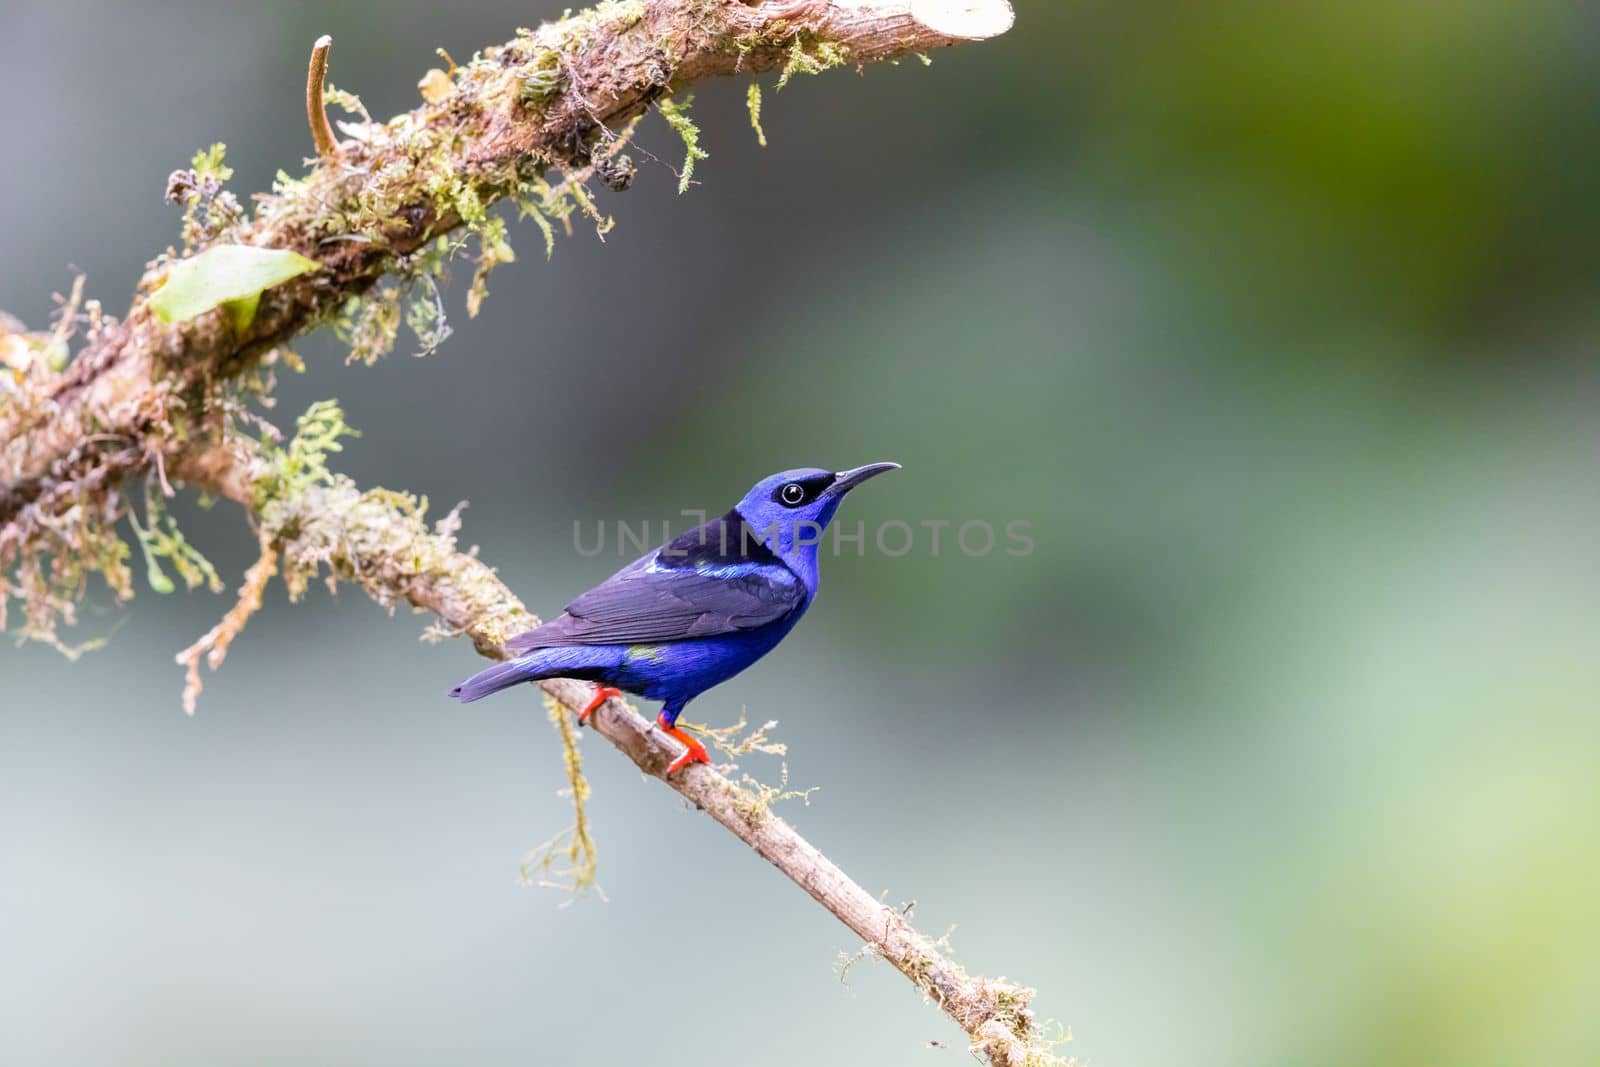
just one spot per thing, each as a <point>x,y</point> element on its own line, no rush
<point>695,611</point>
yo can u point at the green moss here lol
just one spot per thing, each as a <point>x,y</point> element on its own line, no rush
<point>347,102</point>
<point>209,163</point>
<point>543,79</point>
<point>531,206</point>
<point>370,324</point>
<point>160,539</point>
<point>290,470</point>
<point>807,55</point>
<point>209,210</point>
<point>752,100</point>
<point>493,250</point>
<point>677,116</point>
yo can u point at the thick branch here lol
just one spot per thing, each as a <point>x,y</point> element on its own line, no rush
<point>546,99</point>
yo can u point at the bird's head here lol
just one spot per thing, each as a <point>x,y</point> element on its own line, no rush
<point>789,510</point>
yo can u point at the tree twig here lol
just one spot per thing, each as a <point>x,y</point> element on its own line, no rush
<point>214,645</point>
<point>316,111</point>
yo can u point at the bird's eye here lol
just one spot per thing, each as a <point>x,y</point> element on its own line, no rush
<point>792,493</point>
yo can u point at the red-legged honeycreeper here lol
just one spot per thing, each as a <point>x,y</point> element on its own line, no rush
<point>693,613</point>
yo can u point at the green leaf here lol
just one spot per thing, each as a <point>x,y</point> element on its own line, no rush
<point>222,274</point>
<point>241,312</point>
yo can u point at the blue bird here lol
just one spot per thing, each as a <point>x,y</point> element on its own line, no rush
<point>694,612</point>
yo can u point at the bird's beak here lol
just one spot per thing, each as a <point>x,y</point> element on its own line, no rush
<point>845,481</point>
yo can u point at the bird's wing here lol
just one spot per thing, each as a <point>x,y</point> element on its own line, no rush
<point>645,605</point>
<point>675,593</point>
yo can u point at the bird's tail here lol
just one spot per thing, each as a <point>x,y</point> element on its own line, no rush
<point>590,662</point>
<point>493,679</point>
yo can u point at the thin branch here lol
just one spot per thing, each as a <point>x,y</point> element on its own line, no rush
<point>385,547</point>
<point>214,645</point>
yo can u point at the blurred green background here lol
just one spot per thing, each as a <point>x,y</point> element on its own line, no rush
<point>1276,322</point>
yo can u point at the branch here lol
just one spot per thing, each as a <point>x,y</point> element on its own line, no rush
<point>144,396</point>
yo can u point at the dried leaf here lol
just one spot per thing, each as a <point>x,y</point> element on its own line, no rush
<point>436,86</point>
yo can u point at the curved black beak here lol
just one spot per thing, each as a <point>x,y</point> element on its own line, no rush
<point>844,481</point>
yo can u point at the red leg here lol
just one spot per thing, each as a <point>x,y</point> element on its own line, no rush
<point>695,751</point>
<point>602,693</point>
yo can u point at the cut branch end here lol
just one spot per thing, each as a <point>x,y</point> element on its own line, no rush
<point>967,20</point>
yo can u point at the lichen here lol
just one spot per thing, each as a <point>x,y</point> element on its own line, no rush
<point>755,801</point>
<point>847,961</point>
<point>568,860</point>
<point>737,740</point>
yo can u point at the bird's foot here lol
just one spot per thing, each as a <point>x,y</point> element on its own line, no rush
<point>602,693</point>
<point>694,752</point>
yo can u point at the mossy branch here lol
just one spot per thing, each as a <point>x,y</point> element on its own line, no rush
<point>379,214</point>
<point>550,99</point>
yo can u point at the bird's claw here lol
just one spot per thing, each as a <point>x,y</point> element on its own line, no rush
<point>697,754</point>
<point>602,693</point>
<point>694,751</point>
